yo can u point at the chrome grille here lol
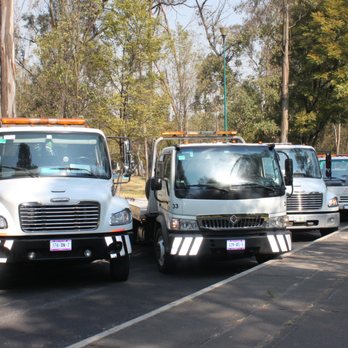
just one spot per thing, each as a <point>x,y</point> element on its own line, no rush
<point>59,217</point>
<point>308,201</point>
<point>230,222</point>
<point>343,199</point>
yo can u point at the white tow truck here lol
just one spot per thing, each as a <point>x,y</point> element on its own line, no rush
<point>310,206</point>
<point>213,195</point>
<point>334,169</point>
<point>57,198</point>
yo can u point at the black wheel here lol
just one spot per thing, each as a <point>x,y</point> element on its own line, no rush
<point>262,258</point>
<point>165,261</point>
<point>119,268</point>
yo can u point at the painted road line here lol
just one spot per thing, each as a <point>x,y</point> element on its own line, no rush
<point>115,329</point>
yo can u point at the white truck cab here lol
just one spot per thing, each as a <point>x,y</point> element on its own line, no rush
<point>310,206</point>
<point>213,196</point>
<point>334,169</point>
<point>58,197</point>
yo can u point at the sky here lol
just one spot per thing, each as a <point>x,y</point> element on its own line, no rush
<point>185,14</point>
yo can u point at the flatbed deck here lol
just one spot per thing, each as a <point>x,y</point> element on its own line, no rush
<point>138,207</point>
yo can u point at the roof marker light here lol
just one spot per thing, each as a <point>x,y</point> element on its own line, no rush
<point>43,121</point>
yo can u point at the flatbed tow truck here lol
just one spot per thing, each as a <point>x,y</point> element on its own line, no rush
<point>213,195</point>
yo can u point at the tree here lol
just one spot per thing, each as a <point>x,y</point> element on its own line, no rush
<point>177,69</point>
<point>70,77</point>
<point>320,73</point>
<point>8,88</point>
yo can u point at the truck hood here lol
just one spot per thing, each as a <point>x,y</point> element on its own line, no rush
<point>64,191</point>
<point>308,185</point>
<point>51,190</point>
<point>271,206</point>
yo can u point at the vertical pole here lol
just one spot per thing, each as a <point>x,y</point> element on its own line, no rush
<point>285,76</point>
<point>225,87</point>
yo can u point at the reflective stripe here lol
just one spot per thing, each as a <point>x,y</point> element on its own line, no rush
<point>175,245</point>
<point>128,244</point>
<point>281,241</point>
<point>196,245</point>
<point>288,239</point>
<point>3,260</point>
<point>113,256</point>
<point>122,252</point>
<point>8,244</point>
<point>273,243</point>
<point>185,246</point>
<point>108,240</point>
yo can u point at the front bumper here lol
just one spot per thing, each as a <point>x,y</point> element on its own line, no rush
<point>258,243</point>
<point>83,248</point>
<point>310,221</point>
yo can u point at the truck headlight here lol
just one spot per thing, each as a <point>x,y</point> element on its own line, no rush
<point>333,202</point>
<point>3,223</point>
<point>183,225</point>
<point>123,217</point>
<point>277,222</point>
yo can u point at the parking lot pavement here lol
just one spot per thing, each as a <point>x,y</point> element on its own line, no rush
<point>300,300</point>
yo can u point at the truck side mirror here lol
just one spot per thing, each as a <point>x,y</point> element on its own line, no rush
<point>127,157</point>
<point>288,172</point>
<point>328,165</point>
<point>156,183</point>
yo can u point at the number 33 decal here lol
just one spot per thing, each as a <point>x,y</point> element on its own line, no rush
<point>175,205</point>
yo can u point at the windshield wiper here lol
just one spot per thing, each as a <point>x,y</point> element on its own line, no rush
<point>252,184</point>
<point>208,187</point>
<point>26,170</point>
<point>303,175</point>
<point>87,171</point>
<point>335,178</point>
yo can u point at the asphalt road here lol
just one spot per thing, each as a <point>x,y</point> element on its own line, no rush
<point>58,306</point>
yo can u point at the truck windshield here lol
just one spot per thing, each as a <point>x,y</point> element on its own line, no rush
<point>32,154</point>
<point>227,172</point>
<point>339,168</point>
<point>305,162</point>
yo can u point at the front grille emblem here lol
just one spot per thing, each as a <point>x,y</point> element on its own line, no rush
<point>233,219</point>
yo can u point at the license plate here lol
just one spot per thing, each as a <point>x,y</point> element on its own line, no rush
<point>299,219</point>
<point>60,245</point>
<point>235,244</point>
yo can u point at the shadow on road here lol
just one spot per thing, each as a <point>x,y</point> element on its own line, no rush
<point>47,275</point>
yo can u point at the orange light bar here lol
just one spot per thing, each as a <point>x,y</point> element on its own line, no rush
<point>226,133</point>
<point>198,133</point>
<point>43,121</point>
<point>173,134</point>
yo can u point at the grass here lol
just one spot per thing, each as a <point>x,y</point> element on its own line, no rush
<point>133,189</point>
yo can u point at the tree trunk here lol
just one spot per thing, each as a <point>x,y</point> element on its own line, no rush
<point>337,130</point>
<point>8,88</point>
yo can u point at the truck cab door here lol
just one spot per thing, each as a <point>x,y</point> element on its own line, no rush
<point>163,175</point>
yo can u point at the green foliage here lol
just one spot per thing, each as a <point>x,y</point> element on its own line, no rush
<point>71,74</point>
<point>114,63</point>
<point>319,69</point>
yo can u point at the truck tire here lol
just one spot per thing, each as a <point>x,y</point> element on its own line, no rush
<point>326,231</point>
<point>165,261</point>
<point>119,268</point>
